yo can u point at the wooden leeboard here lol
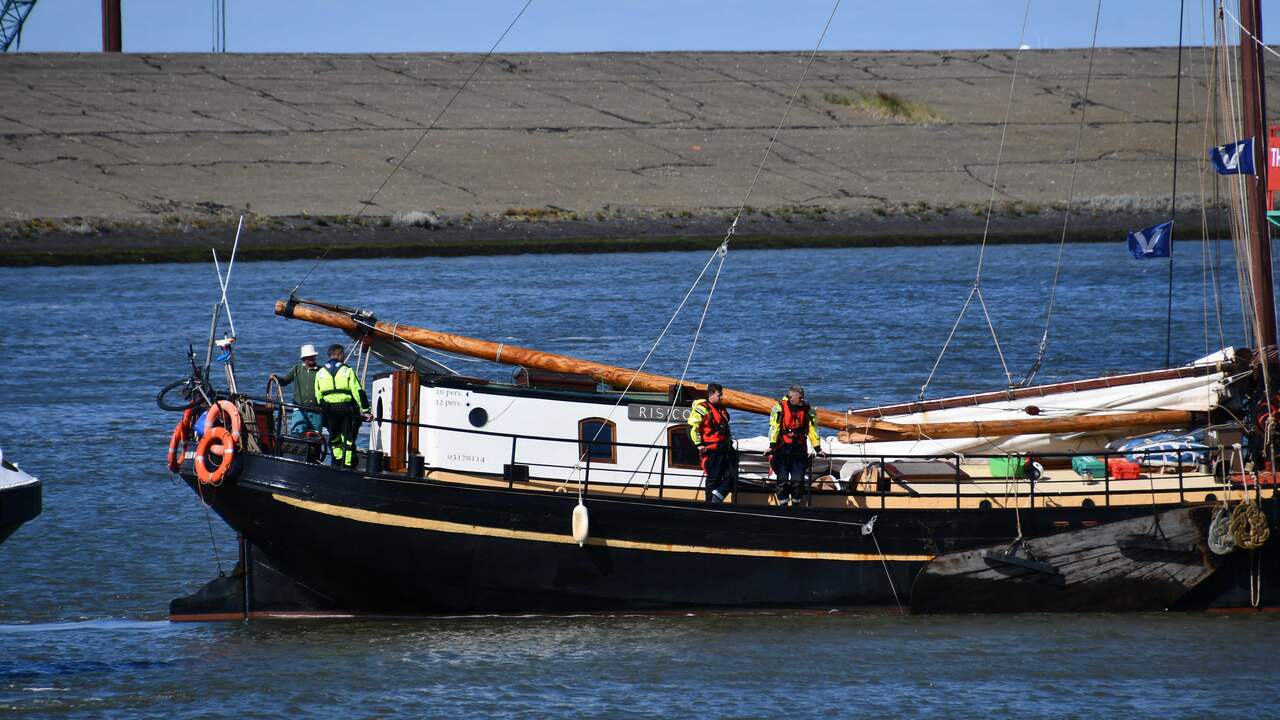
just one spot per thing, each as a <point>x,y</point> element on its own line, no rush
<point>1123,565</point>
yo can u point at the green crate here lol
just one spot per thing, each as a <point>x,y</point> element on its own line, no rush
<point>1083,464</point>
<point>1008,467</point>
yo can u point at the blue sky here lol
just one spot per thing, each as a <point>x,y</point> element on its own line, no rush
<point>622,25</point>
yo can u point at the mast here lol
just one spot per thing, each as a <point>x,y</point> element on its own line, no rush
<point>855,428</point>
<point>1254,103</point>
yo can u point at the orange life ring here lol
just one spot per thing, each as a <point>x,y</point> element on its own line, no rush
<point>176,449</point>
<point>232,420</point>
<point>226,447</point>
<point>178,440</point>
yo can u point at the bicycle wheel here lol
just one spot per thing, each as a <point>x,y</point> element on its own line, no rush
<point>189,398</point>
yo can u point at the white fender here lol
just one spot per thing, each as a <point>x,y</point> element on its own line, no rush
<point>580,524</point>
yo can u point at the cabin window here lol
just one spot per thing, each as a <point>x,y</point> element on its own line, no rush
<point>596,438</point>
<point>478,417</point>
<point>682,453</point>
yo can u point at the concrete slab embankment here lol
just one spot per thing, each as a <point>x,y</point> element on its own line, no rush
<point>133,157</point>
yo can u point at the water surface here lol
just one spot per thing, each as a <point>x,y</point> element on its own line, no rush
<point>84,588</point>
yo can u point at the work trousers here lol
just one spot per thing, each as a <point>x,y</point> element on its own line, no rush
<point>302,421</point>
<point>721,468</point>
<point>342,420</point>
<point>791,470</point>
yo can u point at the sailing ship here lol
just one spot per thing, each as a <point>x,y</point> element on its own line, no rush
<point>575,487</point>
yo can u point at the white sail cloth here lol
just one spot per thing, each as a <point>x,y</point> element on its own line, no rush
<point>1196,394</point>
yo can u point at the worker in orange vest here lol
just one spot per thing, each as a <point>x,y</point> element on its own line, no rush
<point>709,429</point>
<point>793,425</point>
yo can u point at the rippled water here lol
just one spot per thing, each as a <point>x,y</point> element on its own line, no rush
<point>84,588</point>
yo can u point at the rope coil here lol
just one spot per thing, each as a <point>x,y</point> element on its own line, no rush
<point>1249,527</point>
<point>1220,539</point>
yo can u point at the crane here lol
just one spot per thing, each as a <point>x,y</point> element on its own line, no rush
<point>13,14</point>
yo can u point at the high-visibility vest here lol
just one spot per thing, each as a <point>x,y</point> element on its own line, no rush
<point>714,428</point>
<point>342,388</point>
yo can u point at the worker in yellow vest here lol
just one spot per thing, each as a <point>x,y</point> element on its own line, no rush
<point>343,403</point>
<point>709,430</point>
<point>793,427</point>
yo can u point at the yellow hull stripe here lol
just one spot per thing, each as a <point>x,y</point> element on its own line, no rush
<point>405,521</point>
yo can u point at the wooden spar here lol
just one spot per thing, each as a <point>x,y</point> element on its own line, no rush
<point>511,355</point>
<point>618,377</point>
<point>1042,391</point>
<point>1252,106</point>
<point>1036,425</point>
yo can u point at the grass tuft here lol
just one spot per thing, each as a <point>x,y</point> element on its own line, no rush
<point>889,106</point>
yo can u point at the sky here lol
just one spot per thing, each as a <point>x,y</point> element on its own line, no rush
<point>617,25</point>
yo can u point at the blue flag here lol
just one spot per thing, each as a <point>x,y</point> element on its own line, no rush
<point>1151,242</point>
<point>1233,158</point>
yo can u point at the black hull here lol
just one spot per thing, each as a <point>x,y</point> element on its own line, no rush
<point>19,504</point>
<point>341,541</point>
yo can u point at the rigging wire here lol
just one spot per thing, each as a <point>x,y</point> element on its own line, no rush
<point>1071,196</point>
<point>722,251</point>
<point>1259,111</point>
<point>976,289</point>
<point>1173,193</point>
<point>719,252</point>
<point>400,163</point>
<point>774,137</point>
<point>1210,253</point>
<point>1227,127</point>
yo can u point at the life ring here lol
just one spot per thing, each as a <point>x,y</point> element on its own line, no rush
<point>225,447</point>
<point>232,420</point>
<point>176,450</point>
<point>178,440</point>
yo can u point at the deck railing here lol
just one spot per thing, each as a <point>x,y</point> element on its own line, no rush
<point>1214,470</point>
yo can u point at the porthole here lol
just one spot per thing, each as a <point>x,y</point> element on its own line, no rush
<point>1088,502</point>
<point>984,505</point>
<point>1211,498</point>
<point>478,417</point>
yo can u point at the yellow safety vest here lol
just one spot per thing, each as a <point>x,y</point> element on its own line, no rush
<point>343,388</point>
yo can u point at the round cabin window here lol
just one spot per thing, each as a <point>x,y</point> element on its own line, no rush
<point>478,417</point>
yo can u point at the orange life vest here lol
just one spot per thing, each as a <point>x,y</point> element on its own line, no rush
<point>715,427</point>
<point>795,426</point>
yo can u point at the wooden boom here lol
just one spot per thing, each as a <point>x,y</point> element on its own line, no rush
<point>857,428</point>
<point>613,376</point>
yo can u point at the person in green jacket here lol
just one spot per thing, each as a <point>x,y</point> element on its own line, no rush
<point>306,416</point>
<point>344,405</point>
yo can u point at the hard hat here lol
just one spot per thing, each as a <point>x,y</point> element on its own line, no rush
<point>308,350</point>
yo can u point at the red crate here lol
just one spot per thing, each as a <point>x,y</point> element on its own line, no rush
<point>1265,478</point>
<point>1121,469</point>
